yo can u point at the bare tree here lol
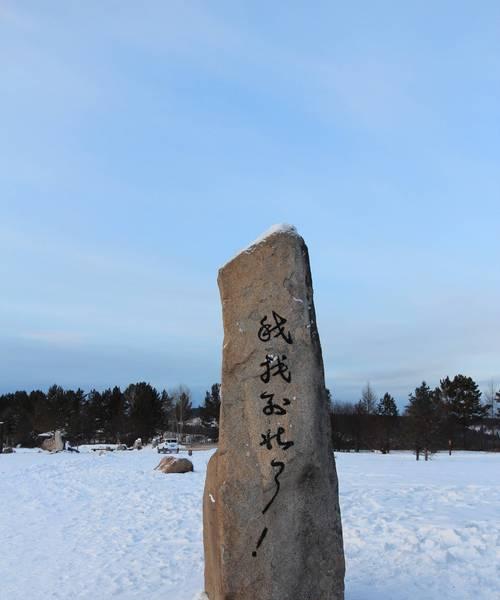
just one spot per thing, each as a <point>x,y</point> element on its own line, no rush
<point>183,408</point>
<point>491,395</point>
<point>368,401</point>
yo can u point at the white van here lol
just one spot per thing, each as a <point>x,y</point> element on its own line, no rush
<point>169,446</point>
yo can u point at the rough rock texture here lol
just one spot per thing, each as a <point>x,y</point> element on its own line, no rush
<point>48,444</point>
<point>54,444</point>
<point>272,528</point>
<point>172,464</point>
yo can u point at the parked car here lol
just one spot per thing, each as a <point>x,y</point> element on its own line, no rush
<point>170,446</point>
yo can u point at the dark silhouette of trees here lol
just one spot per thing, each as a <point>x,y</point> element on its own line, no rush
<point>424,412</point>
<point>345,431</point>
<point>112,415</point>
<point>451,412</point>
<point>73,402</point>
<point>210,408</point>
<point>364,428</point>
<point>38,403</point>
<point>462,402</point>
<point>56,409</point>
<point>386,406</point>
<point>388,413</point>
<point>94,416</point>
<point>16,410</point>
<point>116,411</point>
<point>146,416</point>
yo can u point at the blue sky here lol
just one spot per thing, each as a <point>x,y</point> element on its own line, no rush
<point>143,144</point>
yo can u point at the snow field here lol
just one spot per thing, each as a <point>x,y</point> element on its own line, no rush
<point>86,526</point>
<point>421,531</point>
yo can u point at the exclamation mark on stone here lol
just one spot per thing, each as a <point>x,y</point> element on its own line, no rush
<point>261,539</point>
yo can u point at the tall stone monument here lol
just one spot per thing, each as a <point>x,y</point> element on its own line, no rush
<point>272,528</point>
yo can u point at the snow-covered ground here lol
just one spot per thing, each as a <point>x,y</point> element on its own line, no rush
<point>85,526</point>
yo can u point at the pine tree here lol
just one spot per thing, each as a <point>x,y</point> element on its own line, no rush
<point>39,402</point>
<point>74,403</point>
<point>364,427</point>
<point>388,411</point>
<point>56,408</point>
<point>387,406</point>
<point>117,413</point>
<point>93,415</point>
<point>211,406</point>
<point>462,399</point>
<point>17,412</point>
<point>424,412</point>
<point>145,410</point>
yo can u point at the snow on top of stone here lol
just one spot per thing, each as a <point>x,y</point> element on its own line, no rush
<point>279,228</point>
<point>273,230</point>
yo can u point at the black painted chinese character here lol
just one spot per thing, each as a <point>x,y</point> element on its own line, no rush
<point>274,365</point>
<point>273,409</point>
<point>267,439</point>
<point>259,541</point>
<point>276,464</point>
<point>266,329</point>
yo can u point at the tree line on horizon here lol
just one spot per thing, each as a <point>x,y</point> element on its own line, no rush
<point>450,416</point>
<point>112,415</point>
